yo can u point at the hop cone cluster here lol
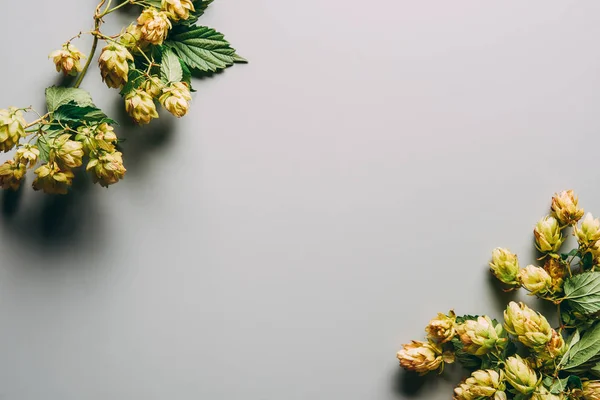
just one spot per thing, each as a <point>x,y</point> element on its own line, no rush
<point>525,356</point>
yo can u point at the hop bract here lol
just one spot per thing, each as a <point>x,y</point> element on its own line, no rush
<point>441,329</point>
<point>548,237</point>
<point>542,393</point>
<point>591,390</point>
<point>68,59</point>
<point>505,266</point>
<point>154,25</point>
<point>12,128</point>
<point>565,207</point>
<point>107,168</point>
<point>27,155</point>
<point>176,99</point>
<point>487,384</point>
<point>12,174</point>
<point>520,375</point>
<point>589,232</point>
<point>535,279</point>
<point>140,106</point>
<point>480,336</point>
<point>557,272</point>
<point>114,65</point>
<point>51,179</point>
<point>178,9</point>
<point>420,357</point>
<point>531,328</point>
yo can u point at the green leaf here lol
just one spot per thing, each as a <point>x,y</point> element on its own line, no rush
<point>57,96</point>
<point>587,260</point>
<point>585,349</point>
<point>203,48</point>
<point>135,79</point>
<point>43,143</point>
<point>595,370</point>
<point>557,386</point>
<point>170,68</point>
<point>75,115</point>
<point>154,3</point>
<point>572,342</point>
<point>583,292</point>
<point>572,253</point>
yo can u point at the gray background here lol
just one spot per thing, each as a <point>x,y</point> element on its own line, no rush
<point>316,208</point>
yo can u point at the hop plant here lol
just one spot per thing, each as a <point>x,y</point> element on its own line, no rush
<point>530,356</point>
<point>151,62</point>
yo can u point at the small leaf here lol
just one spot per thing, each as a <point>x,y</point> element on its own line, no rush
<point>572,253</point>
<point>595,370</point>
<point>572,342</point>
<point>583,292</point>
<point>585,349</point>
<point>170,68</point>
<point>587,260</point>
<point>57,96</point>
<point>203,48</point>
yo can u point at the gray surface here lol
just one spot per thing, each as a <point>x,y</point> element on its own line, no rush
<point>316,208</point>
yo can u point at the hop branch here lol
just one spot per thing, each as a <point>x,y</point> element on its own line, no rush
<point>150,62</point>
<point>524,357</point>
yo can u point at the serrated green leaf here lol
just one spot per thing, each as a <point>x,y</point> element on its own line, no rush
<point>75,115</point>
<point>203,48</point>
<point>585,349</point>
<point>57,96</point>
<point>170,67</point>
<point>583,292</point>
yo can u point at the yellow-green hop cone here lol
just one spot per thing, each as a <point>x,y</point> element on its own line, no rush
<point>12,174</point>
<point>114,65</point>
<point>441,329</point>
<point>420,357</point>
<point>548,237</point>
<point>557,271</point>
<point>154,25</point>
<point>556,347</point>
<point>487,384</point>
<point>520,375</point>
<point>51,179</point>
<point>95,138</point>
<point>589,232</point>
<point>27,155</point>
<point>535,279</point>
<point>565,207</point>
<point>481,336</point>
<point>591,390</point>
<point>542,393</point>
<point>531,328</point>
<point>154,86</point>
<point>12,128</point>
<point>107,168</point>
<point>140,106</point>
<point>69,153</point>
<point>178,9</point>
<point>131,38</point>
<point>68,59</point>
<point>505,266</point>
<point>176,99</point>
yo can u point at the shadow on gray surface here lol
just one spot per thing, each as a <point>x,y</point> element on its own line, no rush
<point>410,384</point>
<point>140,142</point>
<point>500,296</point>
<point>52,221</point>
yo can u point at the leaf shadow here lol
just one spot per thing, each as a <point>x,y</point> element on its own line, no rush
<point>53,222</point>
